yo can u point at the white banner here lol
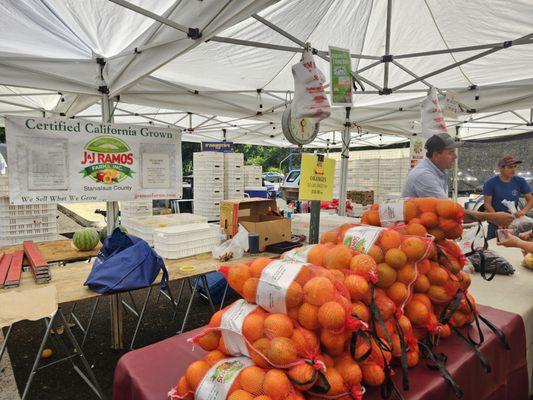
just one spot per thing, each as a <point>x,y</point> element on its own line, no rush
<point>71,160</point>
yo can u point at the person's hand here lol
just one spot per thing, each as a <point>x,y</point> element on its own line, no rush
<point>509,240</point>
<point>528,236</point>
<point>500,218</point>
<point>519,214</point>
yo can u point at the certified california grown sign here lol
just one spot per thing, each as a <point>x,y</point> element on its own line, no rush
<point>107,160</point>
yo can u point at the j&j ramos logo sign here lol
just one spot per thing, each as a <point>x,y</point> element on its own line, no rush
<point>107,160</point>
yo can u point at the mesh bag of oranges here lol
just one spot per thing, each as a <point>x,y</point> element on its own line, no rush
<point>314,296</point>
<point>441,218</point>
<point>271,340</point>
<point>217,377</point>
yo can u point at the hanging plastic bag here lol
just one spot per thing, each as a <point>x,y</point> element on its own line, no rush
<point>520,224</point>
<point>310,100</point>
<point>233,248</point>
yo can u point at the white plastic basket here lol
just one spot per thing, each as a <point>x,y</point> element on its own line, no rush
<point>19,239</point>
<point>300,223</point>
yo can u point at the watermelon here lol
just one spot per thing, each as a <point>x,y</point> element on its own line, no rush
<point>86,239</point>
<point>103,232</point>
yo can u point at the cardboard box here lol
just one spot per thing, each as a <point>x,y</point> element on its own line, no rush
<point>255,214</point>
<point>360,196</point>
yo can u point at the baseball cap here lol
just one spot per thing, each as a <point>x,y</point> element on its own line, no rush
<point>442,141</point>
<point>507,161</point>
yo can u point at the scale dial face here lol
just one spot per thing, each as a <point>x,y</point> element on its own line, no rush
<point>298,131</point>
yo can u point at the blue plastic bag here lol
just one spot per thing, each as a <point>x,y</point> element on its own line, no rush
<point>125,263</point>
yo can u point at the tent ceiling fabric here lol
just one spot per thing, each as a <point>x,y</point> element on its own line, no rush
<point>161,74</point>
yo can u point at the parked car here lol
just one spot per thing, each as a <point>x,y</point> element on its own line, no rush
<point>291,185</point>
<point>273,176</point>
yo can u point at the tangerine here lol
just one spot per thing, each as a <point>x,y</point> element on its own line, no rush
<point>240,394</point>
<point>350,371</point>
<point>406,274</point>
<point>237,275</point>
<point>373,374</point>
<point>448,225</point>
<point>329,237</point>
<point>446,208</point>
<point>305,275</point>
<point>423,298</point>
<point>303,376</point>
<point>294,295</point>
<point>338,257</point>
<point>426,204</point>
<point>214,356</point>
<point>438,294</point>
<point>409,210</point>
<point>416,229</point>
<point>360,310</point>
<point>423,266</point>
<point>386,275</point>
<point>429,219</point>
<point>278,325</point>
<point>336,383</point>
<point>398,293</point>
<point>396,258</point>
<point>251,379</point>
<point>305,342</point>
<point>363,264</point>
<point>437,233</point>
<point>308,316</point>
<point>281,351</point>
<point>331,315</point>
<point>253,327</point>
<point>421,284</point>
<point>437,275</point>
<point>209,341</point>
<point>276,385</point>
<point>183,389</point>
<point>317,253</point>
<point>373,218</point>
<point>417,313</point>
<point>319,290</point>
<point>389,239</point>
<point>258,265</point>
<point>376,253</point>
<point>258,352</point>
<point>216,319</point>
<point>385,305</point>
<point>414,248</point>
<point>249,289</point>
<point>195,373</point>
<point>358,287</point>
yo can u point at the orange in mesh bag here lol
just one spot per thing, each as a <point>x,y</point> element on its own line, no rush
<point>313,296</point>
<point>235,378</point>
<point>441,218</point>
<point>272,340</point>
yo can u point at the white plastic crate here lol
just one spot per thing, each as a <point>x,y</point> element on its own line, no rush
<point>206,156</point>
<point>300,223</point>
<point>4,186</point>
<point>13,240</point>
<point>186,240</point>
<point>144,227</point>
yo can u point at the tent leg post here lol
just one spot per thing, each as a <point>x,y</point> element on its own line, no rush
<point>314,222</point>
<point>345,155</point>
<point>455,191</point>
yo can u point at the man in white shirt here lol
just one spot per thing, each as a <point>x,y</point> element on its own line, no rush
<point>429,179</point>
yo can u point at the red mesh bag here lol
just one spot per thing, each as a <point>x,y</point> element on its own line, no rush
<point>271,340</point>
<point>236,378</point>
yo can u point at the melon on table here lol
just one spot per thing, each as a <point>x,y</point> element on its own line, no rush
<point>86,239</point>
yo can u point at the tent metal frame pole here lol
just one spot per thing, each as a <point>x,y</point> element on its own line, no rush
<point>455,190</point>
<point>458,63</point>
<point>28,94</point>
<point>117,328</point>
<point>345,155</point>
<point>299,42</point>
<point>366,68</point>
<point>531,115</point>
<point>387,47</point>
<point>498,45</point>
<point>151,15</point>
<point>519,116</point>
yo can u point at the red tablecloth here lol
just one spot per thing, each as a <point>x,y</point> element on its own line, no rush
<point>149,373</point>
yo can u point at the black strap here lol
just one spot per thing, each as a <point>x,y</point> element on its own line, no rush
<point>376,315</point>
<point>438,363</point>
<point>483,267</point>
<point>497,331</point>
<point>403,359</point>
<point>476,319</point>
<point>321,388</point>
<point>353,345</point>
<point>448,311</point>
<point>473,347</point>
<point>388,389</point>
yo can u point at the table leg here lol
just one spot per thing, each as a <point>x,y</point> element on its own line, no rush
<point>224,296</point>
<point>193,292</point>
<point>117,325</point>
<point>178,299</point>
<point>4,344</point>
<point>93,311</point>
<point>141,315</point>
<point>206,286</point>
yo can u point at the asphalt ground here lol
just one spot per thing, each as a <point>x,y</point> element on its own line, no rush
<point>60,381</point>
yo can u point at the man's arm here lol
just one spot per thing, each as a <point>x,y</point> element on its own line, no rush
<point>527,207</point>
<point>513,241</point>
<point>497,218</point>
<point>487,202</point>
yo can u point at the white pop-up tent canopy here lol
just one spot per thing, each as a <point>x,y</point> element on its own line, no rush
<point>155,57</point>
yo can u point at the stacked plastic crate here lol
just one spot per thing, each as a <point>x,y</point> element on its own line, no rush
<point>37,222</point>
<point>208,184</point>
<point>233,175</point>
<point>253,176</point>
